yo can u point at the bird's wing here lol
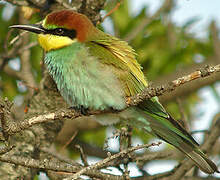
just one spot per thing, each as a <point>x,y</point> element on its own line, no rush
<point>126,55</point>
<point>121,58</point>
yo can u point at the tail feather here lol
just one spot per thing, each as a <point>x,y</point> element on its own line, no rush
<point>169,130</point>
<point>173,133</point>
<point>202,161</point>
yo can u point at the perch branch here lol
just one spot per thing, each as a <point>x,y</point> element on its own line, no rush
<point>14,127</point>
<point>149,92</point>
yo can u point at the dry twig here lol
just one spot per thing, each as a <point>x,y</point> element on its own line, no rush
<point>69,141</point>
<point>111,11</point>
<point>150,92</point>
<point>100,164</point>
<point>82,155</point>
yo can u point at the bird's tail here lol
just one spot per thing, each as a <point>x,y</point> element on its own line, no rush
<point>202,161</point>
<point>172,132</point>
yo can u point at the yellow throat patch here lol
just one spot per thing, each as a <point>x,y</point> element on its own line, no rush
<point>49,42</point>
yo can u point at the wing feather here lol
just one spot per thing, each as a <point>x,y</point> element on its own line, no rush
<point>121,56</point>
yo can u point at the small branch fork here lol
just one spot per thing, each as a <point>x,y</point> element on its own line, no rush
<point>102,163</point>
<point>59,166</point>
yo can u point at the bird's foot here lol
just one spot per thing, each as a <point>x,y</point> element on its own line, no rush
<point>82,110</point>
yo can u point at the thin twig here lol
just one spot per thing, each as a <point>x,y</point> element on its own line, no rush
<point>30,87</point>
<point>14,127</point>
<point>216,42</point>
<point>200,131</point>
<point>82,155</point>
<point>25,54</point>
<point>69,141</point>
<point>32,44</point>
<point>17,37</point>
<point>110,158</point>
<point>128,139</point>
<point>111,11</point>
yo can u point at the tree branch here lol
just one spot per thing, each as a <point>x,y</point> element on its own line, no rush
<point>47,164</point>
<point>110,158</point>
<point>160,90</point>
<point>14,127</point>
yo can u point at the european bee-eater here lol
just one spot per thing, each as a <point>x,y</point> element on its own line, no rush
<point>94,70</point>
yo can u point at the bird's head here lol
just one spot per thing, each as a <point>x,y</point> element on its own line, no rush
<point>62,28</point>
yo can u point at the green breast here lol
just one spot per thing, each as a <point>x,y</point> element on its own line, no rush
<point>83,80</point>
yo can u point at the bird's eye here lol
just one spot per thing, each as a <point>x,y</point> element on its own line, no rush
<point>59,31</point>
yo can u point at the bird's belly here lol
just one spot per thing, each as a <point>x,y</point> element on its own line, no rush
<point>93,90</point>
<point>83,80</point>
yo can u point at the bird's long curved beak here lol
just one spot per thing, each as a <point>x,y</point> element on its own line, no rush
<point>32,28</point>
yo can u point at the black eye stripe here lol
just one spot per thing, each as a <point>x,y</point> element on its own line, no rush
<point>61,32</point>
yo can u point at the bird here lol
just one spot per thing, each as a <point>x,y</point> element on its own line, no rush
<point>94,70</point>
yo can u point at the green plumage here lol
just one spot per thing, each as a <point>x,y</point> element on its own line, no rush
<point>83,80</point>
